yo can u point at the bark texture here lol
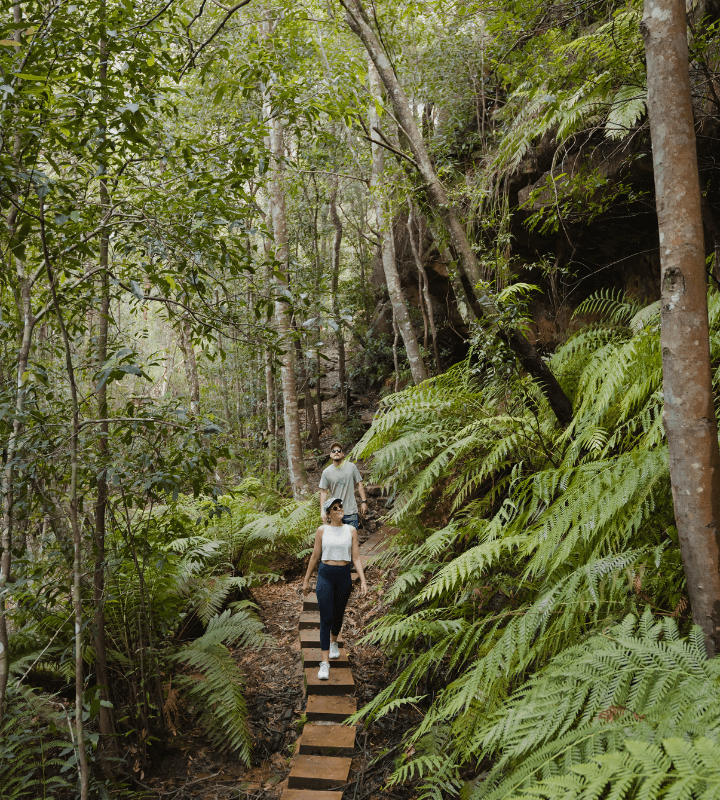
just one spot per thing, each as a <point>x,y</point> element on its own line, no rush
<point>438,201</point>
<point>293,442</point>
<point>689,414</point>
<point>191,372</point>
<point>384,228</point>
<point>335,281</point>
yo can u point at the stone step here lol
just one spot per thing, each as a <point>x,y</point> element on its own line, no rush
<point>309,794</point>
<point>340,681</point>
<point>327,740</point>
<point>318,772</point>
<point>324,708</point>
<point>310,602</point>
<point>309,619</point>
<point>312,656</point>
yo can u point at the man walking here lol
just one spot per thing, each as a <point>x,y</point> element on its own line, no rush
<point>339,480</point>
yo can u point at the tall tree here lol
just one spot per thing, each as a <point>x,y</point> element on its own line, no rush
<point>335,281</point>
<point>384,227</point>
<point>689,413</point>
<point>291,415</point>
<point>437,199</point>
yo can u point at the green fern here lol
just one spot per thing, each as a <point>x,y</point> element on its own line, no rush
<point>565,524</point>
<point>217,689</point>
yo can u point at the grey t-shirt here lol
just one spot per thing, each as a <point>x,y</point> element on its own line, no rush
<point>340,482</point>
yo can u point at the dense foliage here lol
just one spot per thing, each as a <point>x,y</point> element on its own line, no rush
<point>545,543</point>
<point>538,613</point>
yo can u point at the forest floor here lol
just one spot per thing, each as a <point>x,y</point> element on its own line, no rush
<point>193,769</point>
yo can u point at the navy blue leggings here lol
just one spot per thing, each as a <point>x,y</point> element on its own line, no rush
<point>333,588</point>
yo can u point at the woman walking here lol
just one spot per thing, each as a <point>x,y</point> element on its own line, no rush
<point>336,546</point>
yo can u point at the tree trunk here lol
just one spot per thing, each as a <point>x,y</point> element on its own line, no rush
<point>417,255</point>
<point>191,372</point>
<point>437,199</point>
<point>224,388</point>
<point>335,269</point>
<point>75,523</point>
<point>385,229</point>
<point>304,375</point>
<point>688,414</point>
<point>293,442</point>
<point>13,444</point>
<point>105,716</point>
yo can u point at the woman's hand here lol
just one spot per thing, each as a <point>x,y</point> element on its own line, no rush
<point>306,587</point>
<point>363,589</point>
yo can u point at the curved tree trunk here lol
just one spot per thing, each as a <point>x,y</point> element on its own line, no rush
<point>437,199</point>
<point>385,229</point>
<point>688,413</point>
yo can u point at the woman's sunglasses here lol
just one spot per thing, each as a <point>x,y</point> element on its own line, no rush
<point>336,507</point>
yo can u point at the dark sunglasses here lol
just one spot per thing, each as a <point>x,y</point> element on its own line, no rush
<point>336,507</point>
<point>336,451</point>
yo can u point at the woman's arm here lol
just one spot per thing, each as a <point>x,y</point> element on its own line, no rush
<point>358,564</point>
<point>314,558</point>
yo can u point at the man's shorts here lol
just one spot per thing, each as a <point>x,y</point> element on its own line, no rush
<point>351,519</point>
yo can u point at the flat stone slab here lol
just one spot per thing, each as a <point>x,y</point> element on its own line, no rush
<point>376,543</point>
<point>329,708</point>
<point>309,794</point>
<point>319,772</point>
<point>327,740</point>
<point>312,656</point>
<point>310,637</point>
<point>310,602</point>
<point>309,619</point>
<point>340,681</point>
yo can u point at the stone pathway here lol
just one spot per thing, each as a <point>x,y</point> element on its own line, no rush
<point>324,751</point>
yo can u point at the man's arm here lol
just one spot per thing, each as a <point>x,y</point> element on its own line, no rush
<point>323,498</point>
<point>361,492</point>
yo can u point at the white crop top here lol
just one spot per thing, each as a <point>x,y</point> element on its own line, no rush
<point>337,543</point>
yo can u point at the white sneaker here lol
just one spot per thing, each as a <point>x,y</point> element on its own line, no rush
<point>324,671</point>
<point>334,650</point>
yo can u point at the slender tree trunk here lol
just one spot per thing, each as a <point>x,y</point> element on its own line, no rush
<point>318,368</point>
<point>462,301</point>
<point>8,476</point>
<point>191,372</point>
<point>75,523</point>
<point>8,479</point>
<point>224,388</point>
<point>385,228</point>
<point>105,717</point>
<point>293,442</point>
<point>688,413</point>
<point>417,255</point>
<point>335,271</point>
<point>437,199</point>
<point>396,337</point>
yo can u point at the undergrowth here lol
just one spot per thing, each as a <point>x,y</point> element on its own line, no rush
<point>539,611</point>
<point>177,604</point>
